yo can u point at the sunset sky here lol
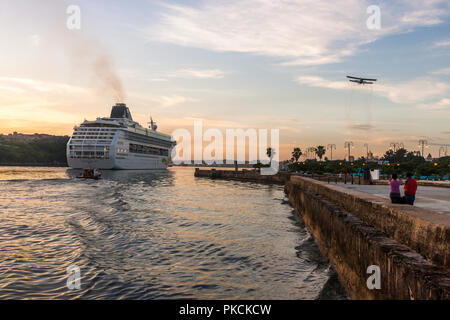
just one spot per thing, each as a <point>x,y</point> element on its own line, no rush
<point>233,64</point>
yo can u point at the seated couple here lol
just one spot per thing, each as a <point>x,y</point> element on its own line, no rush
<point>409,189</point>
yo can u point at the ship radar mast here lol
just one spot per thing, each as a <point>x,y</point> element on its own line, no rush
<point>153,125</point>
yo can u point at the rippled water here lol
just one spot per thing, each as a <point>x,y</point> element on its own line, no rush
<point>149,235</point>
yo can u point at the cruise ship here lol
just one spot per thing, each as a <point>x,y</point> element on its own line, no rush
<point>118,142</point>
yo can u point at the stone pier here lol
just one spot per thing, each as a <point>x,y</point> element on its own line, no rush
<point>354,230</point>
<point>243,175</point>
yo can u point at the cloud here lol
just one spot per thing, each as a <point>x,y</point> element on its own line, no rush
<point>361,127</point>
<point>158,79</point>
<point>442,104</point>
<point>426,17</point>
<point>411,91</point>
<point>303,32</point>
<point>32,110</point>
<point>444,43</point>
<point>444,71</point>
<point>314,81</point>
<point>22,85</point>
<point>198,74</point>
<point>35,40</point>
<point>170,101</point>
<point>162,101</point>
<point>27,100</point>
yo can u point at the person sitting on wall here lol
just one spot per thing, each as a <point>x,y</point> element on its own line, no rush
<point>395,184</point>
<point>410,189</point>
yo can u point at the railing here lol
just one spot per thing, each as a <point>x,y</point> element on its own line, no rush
<point>335,178</point>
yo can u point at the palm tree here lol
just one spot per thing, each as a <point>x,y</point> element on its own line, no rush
<point>296,154</point>
<point>320,151</point>
<point>270,153</point>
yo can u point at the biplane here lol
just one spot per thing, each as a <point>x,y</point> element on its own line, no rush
<point>361,80</point>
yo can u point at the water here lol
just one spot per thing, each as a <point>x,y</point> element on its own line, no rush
<point>153,235</point>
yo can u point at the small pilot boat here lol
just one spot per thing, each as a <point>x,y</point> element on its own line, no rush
<point>90,174</point>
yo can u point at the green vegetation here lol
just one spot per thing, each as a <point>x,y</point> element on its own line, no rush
<point>399,162</point>
<point>296,154</point>
<point>320,151</point>
<point>49,150</point>
<point>270,152</point>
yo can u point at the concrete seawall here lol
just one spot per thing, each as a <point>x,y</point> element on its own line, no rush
<point>355,230</point>
<point>423,230</point>
<point>243,175</point>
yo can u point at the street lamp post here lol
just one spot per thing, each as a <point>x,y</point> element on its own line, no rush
<point>348,144</point>
<point>423,143</point>
<point>331,147</point>
<point>394,145</point>
<point>441,149</point>
<point>312,151</point>
<point>367,150</point>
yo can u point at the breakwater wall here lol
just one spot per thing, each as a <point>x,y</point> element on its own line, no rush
<point>423,230</point>
<point>354,230</point>
<point>243,175</point>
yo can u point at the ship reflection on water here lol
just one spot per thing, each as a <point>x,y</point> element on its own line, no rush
<point>153,234</point>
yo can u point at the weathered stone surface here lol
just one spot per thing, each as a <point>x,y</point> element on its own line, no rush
<point>352,244</point>
<point>243,175</point>
<point>424,231</point>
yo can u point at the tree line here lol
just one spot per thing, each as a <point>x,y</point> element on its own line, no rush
<point>44,151</point>
<point>400,161</point>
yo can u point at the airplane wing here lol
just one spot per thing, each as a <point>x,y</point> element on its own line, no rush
<point>363,79</point>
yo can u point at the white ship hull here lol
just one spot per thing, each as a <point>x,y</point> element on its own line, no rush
<point>129,163</point>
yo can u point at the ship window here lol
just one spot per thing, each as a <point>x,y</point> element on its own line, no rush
<point>136,148</point>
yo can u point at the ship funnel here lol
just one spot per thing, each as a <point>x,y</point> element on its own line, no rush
<point>120,110</point>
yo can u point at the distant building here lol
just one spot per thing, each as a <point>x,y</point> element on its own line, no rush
<point>429,158</point>
<point>372,158</point>
<point>351,158</point>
